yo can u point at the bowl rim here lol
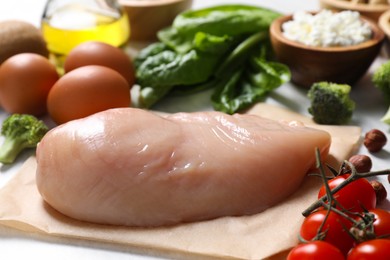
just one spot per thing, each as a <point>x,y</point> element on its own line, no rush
<point>384,22</point>
<point>361,7</point>
<point>377,38</point>
<point>147,3</point>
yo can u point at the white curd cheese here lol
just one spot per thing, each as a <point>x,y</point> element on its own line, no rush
<point>326,29</point>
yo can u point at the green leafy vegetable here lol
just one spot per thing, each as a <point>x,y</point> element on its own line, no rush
<point>224,47</point>
<point>170,68</point>
<point>225,20</point>
<point>253,77</point>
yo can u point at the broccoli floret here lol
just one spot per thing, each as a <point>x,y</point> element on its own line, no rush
<point>386,117</point>
<point>330,103</point>
<point>381,79</point>
<point>20,131</point>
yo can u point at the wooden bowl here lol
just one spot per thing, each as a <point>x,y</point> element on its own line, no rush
<point>371,11</point>
<point>147,17</point>
<point>384,23</point>
<point>309,64</point>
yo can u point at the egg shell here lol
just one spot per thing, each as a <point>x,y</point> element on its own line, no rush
<point>99,53</point>
<point>85,91</point>
<point>25,82</point>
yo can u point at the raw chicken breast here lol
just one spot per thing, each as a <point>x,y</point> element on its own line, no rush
<point>131,167</point>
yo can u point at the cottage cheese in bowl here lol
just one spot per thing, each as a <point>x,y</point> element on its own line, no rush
<point>327,29</point>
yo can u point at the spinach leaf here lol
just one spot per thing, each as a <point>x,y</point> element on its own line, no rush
<point>150,95</point>
<point>225,19</point>
<point>212,44</point>
<point>249,85</point>
<point>149,51</point>
<point>232,20</point>
<point>170,36</point>
<point>169,68</point>
<point>240,54</point>
<point>213,47</point>
<point>270,74</point>
<point>159,68</point>
<point>159,73</point>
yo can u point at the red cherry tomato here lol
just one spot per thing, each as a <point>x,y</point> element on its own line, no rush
<point>336,228</point>
<point>315,250</point>
<point>352,196</point>
<point>381,223</point>
<point>376,249</point>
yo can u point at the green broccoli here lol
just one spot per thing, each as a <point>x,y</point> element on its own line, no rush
<point>20,131</point>
<point>386,118</point>
<point>330,103</point>
<point>381,79</point>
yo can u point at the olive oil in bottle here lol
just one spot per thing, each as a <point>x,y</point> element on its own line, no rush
<point>66,23</point>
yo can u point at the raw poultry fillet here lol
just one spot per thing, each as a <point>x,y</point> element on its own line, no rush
<point>132,167</point>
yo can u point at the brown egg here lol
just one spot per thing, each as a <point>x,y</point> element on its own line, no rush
<point>85,91</point>
<point>99,53</point>
<point>25,82</point>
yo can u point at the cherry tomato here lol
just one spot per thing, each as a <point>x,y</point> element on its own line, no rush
<point>336,228</point>
<point>352,196</point>
<point>315,250</point>
<point>382,222</point>
<point>376,249</point>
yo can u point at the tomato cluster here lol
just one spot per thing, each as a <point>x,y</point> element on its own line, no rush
<point>347,225</point>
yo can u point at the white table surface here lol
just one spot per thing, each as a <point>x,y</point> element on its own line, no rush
<point>370,108</point>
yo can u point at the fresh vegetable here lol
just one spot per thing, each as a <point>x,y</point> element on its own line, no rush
<point>85,91</point>
<point>334,230</point>
<point>376,223</point>
<point>375,249</point>
<point>355,197</point>
<point>386,117</point>
<point>25,82</point>
<point>224,47</point>
<point>248,84</point>
<point>315,250</point>
<point>345,168</point>
<point>330,103</point>
<point>344,221</point>
<point>20,131</point>
<point>381,79</point>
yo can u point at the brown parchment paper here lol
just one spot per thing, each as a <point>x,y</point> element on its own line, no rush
<point>267,235</point>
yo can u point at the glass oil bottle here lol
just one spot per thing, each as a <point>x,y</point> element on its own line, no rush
<point>67,23</point>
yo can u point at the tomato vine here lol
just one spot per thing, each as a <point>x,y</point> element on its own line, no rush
<point>344,220</point>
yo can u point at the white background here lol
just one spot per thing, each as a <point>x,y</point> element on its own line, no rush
<point>18,245</point>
